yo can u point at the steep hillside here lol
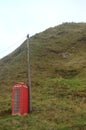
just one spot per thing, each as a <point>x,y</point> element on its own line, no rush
<point>13,66</point>
<point>58,75</point>
<point>62,50</point>
<point>56,52</point>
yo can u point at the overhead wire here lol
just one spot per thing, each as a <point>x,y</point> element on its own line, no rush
<point>11,47</point>
<point>5,65</point>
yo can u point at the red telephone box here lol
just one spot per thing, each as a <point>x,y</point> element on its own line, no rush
<point>20,101</point>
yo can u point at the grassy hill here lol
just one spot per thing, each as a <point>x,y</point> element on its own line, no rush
<point>58,73</point>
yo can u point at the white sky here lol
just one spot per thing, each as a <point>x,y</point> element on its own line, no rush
<point>20,17</point>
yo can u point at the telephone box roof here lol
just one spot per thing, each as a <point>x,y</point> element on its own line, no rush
<point>20,84</point>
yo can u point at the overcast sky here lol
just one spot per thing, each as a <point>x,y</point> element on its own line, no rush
<point>20,17</point>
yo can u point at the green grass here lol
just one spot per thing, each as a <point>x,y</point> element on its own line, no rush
<point>56,105</point>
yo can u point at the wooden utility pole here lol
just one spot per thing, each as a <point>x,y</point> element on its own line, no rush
<point>29,78</point>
